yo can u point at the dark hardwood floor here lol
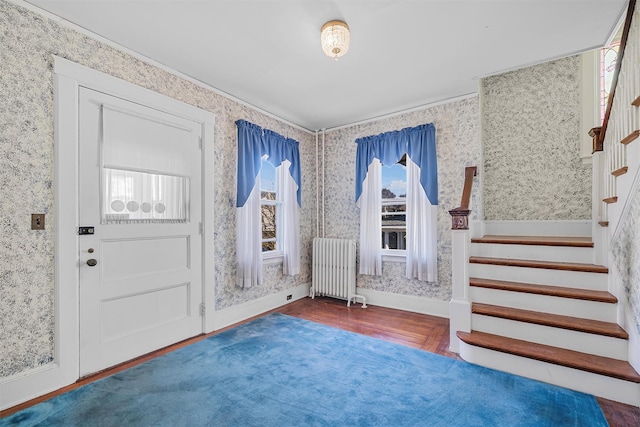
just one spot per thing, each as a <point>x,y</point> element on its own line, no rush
<point>428,333</point>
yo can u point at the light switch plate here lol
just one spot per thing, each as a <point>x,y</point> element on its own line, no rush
<point>37,221</point>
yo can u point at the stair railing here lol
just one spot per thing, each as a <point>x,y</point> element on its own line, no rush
<point>460,306</point>
<point>619,127</point>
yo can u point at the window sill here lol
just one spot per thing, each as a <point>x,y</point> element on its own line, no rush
<point>272,258</point>
<point>394,256</point>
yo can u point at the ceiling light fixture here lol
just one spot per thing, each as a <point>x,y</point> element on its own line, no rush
<point>335,38</point>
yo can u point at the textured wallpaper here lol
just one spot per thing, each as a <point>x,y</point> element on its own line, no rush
<point>458,145</point>
<point>530,134</point>
<point>26,173</point>
<point>626,255</point>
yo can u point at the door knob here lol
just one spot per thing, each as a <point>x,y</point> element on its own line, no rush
<point>91,262</point>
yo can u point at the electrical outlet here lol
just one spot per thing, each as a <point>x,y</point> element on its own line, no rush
<point>289,297</point>
<point>37,221</point>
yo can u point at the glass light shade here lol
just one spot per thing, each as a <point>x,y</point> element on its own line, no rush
<point>335,38</point>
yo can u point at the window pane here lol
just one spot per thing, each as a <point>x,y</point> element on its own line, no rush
<point>394,226</point>
<point>608,60</point>
<point>268,221</point>
<point>268,178</point>
<point>394,207</point>
<point>133,197</point>
<point>393,238</point>
<point>269,212</point>
<point>268,246</point>
<point>394,181</point>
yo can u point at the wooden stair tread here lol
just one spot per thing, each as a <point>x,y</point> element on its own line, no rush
<point>554,320</point>
<point>631,137</point>
<point>621,171</point>
<point>580,242</point>
<point>552,265</point>
<point>559,356</point>
<point>556,291</point>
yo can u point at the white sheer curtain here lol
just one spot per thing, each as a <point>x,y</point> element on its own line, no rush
<point>422,259</point>
<point>290,221</point>
<point>371,221</point>
<point>419,143</point>
<point>249,240</point>
<point>253,143</point>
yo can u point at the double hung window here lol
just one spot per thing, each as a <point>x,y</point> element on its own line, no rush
<point>268,203</point>
<point>397,192</point>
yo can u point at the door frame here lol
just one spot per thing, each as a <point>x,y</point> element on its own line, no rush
<point>68,78</point>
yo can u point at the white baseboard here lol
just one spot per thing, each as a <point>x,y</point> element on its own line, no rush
<point>237,313</point>
<point>33,383</point>
<point>539,228</point>
<point>412,303</point>
<point>28,385</point>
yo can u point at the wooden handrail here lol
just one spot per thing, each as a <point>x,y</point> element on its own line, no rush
<point>460,215</point>
<point>469,173</point>
<point>614,82</point>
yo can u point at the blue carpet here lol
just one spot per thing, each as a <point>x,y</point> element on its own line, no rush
<point>284,371</point>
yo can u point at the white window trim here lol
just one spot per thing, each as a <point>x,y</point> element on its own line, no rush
<point>394,255</point>
<point>273,257</point>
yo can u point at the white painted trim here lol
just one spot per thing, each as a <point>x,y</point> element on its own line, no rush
<point>64,369</point>
<point>423,305</point>
<point>589,101</point>
<point>543,61</point>
<point>68,77</point>
<point>408,110</point>
<point>208,206</point>
<point>63,22</point>
<point>539,228</point>
<point>237,313</point>
<point>459,306</point>
<point>97,80</point>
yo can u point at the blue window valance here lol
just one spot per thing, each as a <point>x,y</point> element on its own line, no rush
<point>253,143</point>
<point>418,142</point>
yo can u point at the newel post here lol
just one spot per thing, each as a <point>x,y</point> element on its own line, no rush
<point>460,306</point>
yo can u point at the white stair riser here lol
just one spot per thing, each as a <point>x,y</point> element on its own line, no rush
<point>533,252</point>
<point>545,304</point>
<point>599,345</point>
<point>537,228</point>
<point>586,382</point>
<point>542,276</point>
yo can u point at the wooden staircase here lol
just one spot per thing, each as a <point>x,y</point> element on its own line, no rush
<point>540,309</point>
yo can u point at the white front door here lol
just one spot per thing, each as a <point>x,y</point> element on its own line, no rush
<point>140,181</point>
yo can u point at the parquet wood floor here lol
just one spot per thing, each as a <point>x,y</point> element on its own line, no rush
<point>421,331</point>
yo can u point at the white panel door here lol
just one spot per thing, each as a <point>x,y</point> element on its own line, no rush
<point>140,192</point>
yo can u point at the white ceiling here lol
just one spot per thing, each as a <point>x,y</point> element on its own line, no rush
<point>404,53</point>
